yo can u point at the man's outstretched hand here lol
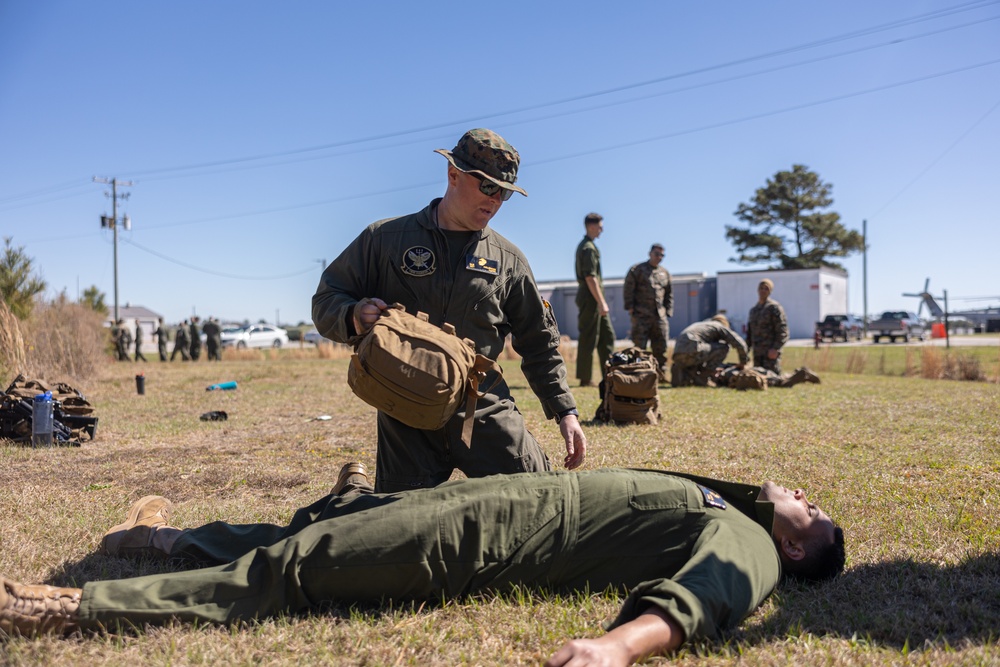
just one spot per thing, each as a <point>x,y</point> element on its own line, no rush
<point>576,441</point>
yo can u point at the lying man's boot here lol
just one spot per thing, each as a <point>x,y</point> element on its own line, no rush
<point>32,610</point>
<point>353,477</point>
<point>801,375</point>
<point>137,535</point>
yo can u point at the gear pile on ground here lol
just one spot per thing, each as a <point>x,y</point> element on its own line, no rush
<point>629,389</point>
<point>73,419</point>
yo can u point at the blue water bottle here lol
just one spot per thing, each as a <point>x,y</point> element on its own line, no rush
<point>41,420</point>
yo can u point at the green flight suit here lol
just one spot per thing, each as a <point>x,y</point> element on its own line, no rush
<point>490,294</point>
<point>698,549</point>
<point>595,330</point>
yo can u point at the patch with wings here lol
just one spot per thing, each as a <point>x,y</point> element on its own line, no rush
<point>418,261</point>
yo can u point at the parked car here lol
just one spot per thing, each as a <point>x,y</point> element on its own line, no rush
<point>897,324</point>
<point>841,326</point>
<point>254,335</point>
<point>314,337</point>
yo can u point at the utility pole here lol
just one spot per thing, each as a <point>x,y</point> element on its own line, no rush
<point>864,274</point>
<point>112,222</point>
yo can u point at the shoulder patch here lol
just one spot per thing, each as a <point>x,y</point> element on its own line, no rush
<point>481,264</point>
<point>418,261</point>
<point>712,498</point>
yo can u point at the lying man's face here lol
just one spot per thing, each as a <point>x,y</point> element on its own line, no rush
<point>798,523</point>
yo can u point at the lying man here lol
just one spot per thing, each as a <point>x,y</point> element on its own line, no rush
<point>695,555</point>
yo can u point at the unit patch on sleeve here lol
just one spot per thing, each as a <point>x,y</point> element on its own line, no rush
<point>418,261</point>
<point>712,498</point>
<point>481,264</point>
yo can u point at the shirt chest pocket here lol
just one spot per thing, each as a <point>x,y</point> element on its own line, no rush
<point>652,492</point>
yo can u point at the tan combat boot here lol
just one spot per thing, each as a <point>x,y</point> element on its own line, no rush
<point>801,375</point>
<point>352,477</point>
<point>134,536</point>
<point>26,611</point>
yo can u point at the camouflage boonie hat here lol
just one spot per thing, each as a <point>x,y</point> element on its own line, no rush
<point>486,153</point>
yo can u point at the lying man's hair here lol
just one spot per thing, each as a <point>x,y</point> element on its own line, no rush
<point>821,561</point>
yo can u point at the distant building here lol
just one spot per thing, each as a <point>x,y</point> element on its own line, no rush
<point>130,314</point>
<point>807,295</point>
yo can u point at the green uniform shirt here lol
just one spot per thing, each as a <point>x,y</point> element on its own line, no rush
<point>588,263</point>
<point>491,293</point>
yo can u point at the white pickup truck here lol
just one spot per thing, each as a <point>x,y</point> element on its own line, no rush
<point>897,324</point>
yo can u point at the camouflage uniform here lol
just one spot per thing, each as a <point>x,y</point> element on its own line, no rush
<point>767,329</point>
<point>488,294</point>
<point>213,340</point>
<point>194,339</point>
<point>700,348</point>
<point>181,343</point>
<point>139,334</point>
<point>595,329</point>
<point>649,297</point>
<point>773,379</point>
<point>161,340</point>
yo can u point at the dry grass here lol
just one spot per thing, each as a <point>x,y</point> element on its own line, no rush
<point>908,466</point>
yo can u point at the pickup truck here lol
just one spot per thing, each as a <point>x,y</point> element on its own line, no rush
<point>897,324</point>
<point>840,326</point>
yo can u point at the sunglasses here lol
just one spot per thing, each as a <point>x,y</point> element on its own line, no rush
<point>489,188</point>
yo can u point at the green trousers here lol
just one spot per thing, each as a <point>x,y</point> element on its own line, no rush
<point>595,330</point>
<point>409,458</point>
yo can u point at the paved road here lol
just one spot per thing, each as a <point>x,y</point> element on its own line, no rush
<point>977,340</point>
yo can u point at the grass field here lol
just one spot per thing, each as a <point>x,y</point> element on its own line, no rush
<point>910,467</point>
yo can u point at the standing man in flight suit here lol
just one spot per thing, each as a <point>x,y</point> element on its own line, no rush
<point>448,262</point>
<point>593,320</point>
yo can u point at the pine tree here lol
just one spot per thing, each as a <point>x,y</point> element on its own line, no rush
<point>786,226</point>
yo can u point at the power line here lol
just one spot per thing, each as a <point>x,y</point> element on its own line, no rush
<point>576,98</point>
<point>217,273</point>
<point>936,160</point>
<point>937,14</point>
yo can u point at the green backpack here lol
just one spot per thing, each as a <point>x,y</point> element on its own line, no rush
<point>418,373</point>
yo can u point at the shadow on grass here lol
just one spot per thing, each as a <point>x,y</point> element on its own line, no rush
<point>896,603</point>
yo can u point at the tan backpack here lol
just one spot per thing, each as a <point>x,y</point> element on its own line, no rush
<point>418,373</point>
<point>630,393</point>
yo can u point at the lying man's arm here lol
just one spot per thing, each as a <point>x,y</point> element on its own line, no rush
<point>652,633</point>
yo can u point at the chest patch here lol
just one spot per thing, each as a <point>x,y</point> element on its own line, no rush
<point>481,264</point>
<point>419,261</point>
<point>712,498</point>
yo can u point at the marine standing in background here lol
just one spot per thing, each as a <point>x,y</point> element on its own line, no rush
<point>161,339</point>
<point>767,329</point>
<point>449,262</point>
<point>126,338</point>
<point>139,334</point>
<point>213,339</point>
<point>195,336</point>
<point>649,299</point>
<point>593,321</point>
<point>119,341</point>
<point>181,342</point>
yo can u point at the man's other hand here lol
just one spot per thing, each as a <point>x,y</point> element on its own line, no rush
<point>576,441</point>
<point>367,312</point>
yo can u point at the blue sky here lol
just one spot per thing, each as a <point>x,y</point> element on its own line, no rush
<point>261,137</point>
